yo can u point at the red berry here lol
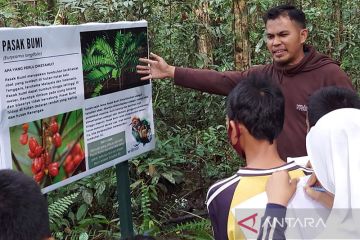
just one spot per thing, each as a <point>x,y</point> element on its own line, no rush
<point>31,154</point>
<point>24,138</point>
<point>69,167</point>
<point>39,176</point>
<point>54,127</point>
<point>25,127</point>
<point>68,159</point>
<point>76,149</point>
<point>57,140</point>
<point>33,144</point>
<point>55,164</point>
<point>37,164</point>
<point>54,169</point>
<point>38,151</point>
<point>33,169</point>
<point>46,157</point>
<point>77,159</point>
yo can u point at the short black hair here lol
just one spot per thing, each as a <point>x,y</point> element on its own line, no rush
<point>292,12</point>
<point>23,208</point>
<point>258,103</point>
<point>330,98</point>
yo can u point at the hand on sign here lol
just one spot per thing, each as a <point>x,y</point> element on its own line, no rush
<point>156,68</point>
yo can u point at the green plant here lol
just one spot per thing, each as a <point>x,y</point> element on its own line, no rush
<point>57,210</point>
<point>149,224</point>
<point>103,61</point>
<point>193,230</point>
<point>94,214</point>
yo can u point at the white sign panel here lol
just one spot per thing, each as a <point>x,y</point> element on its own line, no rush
<point>71,101</point>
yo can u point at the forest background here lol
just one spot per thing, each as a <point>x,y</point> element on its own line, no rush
<point>168,185</point>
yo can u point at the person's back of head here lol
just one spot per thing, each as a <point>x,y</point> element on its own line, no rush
<point>23,208</point>
<point>328,99</point>
<point>290,11</point>
<point>258,103</point>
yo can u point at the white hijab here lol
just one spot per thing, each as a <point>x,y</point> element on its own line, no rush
<point>333,146</point>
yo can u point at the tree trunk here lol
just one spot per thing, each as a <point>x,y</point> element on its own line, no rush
<point>204,40</point>
<point>51,11</point>
<point>291,2</point>
<point>2,22</point>
<point>241,30</point>
<point>339,22</point>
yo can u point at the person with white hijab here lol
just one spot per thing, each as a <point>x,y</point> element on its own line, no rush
<point>333,147</point>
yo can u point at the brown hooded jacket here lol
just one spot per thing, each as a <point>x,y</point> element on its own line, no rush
<point>297,83</point>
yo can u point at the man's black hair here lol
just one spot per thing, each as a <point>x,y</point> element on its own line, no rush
<point>258,103</point>
<point>23,209</point>
<point>328,99</point>
<point>286,10</point>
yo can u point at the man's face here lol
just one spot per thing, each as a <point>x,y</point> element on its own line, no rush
<point>285,39</point>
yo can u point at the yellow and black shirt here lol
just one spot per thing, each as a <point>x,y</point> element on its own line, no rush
<point>230,192</point>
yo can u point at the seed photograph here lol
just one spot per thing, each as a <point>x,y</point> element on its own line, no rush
<point>49,149</point>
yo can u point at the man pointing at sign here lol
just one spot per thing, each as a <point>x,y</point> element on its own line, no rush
<point>297,67</point>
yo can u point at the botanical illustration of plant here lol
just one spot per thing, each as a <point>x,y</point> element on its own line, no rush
<point>49,149</point>
<point>103,61</point>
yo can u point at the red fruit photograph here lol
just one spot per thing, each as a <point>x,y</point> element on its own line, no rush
<point>50,149</point>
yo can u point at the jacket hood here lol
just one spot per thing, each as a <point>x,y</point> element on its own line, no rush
<point>312,60</point>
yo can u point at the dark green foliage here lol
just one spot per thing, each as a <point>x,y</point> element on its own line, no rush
<point>93,215</point>
<point>58,208</point>
<point>103,61</point>
<point>196,230</point>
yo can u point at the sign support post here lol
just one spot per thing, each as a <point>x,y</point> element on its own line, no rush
<point>124,199</point>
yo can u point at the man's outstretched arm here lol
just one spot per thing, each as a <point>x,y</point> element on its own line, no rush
<point>204,80</point>
<point>156,68</point>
